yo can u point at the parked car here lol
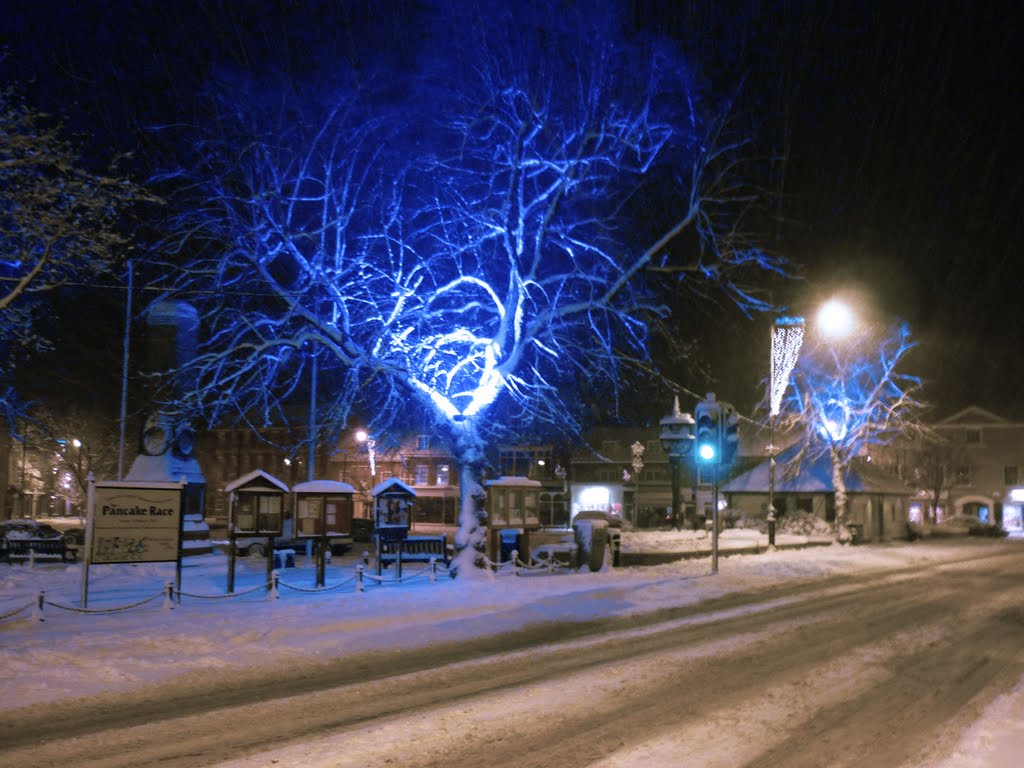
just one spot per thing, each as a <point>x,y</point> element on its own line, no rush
<point>74,537</point>
<point>24,529</point>
<point>362,529</point>
<point>27,529</point>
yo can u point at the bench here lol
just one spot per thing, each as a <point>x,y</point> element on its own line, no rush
<point>416,549</point>
<point>39,549</point>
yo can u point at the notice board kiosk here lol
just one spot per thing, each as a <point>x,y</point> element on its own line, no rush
<point>513,510</point>
<point>392,504</point>
<point>255,509</point>
<point>323,511</point>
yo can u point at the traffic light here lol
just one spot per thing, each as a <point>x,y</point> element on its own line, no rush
<point>730,438</point>
<point>708,444</point>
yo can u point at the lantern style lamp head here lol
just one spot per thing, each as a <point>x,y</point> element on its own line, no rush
<point>677,432</point>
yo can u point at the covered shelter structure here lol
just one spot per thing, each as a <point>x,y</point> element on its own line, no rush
<point>878,503</point>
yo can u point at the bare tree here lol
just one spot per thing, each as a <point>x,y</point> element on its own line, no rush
<point>849,395</point>
<point>59,222</point>
<point>938,463</point>
<point>471,256</point>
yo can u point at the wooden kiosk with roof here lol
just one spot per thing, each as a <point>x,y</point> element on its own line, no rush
<point>323,513</point>
<point>513,511</point>
<point>393,502</point>
<point>392,505</point>
<point>255,509</point>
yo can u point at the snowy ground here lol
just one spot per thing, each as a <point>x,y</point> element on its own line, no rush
<point>72,654</point>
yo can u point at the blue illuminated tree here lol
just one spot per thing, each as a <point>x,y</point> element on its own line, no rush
<point>465,247</point>
<point>850,395</point>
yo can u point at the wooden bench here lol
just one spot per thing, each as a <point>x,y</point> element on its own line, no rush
<point>40,549</point>
<point>416,549</point>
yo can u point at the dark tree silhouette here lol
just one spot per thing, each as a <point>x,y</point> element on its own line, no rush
<point>473,247</point>
<point>59,225</point>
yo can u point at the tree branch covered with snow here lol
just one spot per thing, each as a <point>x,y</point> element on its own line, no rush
<point>60,223</point>
<point>472,253</point>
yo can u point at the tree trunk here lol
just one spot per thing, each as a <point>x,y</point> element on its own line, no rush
<point>470,539</point>
<point>843,535</point>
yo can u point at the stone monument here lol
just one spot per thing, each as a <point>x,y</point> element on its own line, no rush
<point>167,443</point>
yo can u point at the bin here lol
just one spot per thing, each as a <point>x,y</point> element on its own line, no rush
<point>509,543</point>
<point>284,558</point>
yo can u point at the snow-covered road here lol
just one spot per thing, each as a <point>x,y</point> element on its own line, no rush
<point>888,668</point>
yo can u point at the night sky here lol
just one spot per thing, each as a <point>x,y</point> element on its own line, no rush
<point>892,131</point>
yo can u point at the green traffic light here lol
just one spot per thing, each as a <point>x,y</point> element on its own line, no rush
<point>706,451</point>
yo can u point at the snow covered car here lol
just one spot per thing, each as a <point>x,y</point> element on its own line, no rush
<point>28,529</point>
<point>25,530</point>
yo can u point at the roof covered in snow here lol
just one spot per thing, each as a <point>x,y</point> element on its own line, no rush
<point>393,485</point>
<point>257,480</point>
<point>323,486</point>
<point>816,477</point>
<point>513,480</point>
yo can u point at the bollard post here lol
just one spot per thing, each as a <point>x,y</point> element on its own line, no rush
<point>433,569</point>
<point>359,577</point>
<point>169,596</point>
<point>551,562</point>
<point>31,557</point>
<point>273,595</point>
<point>39,604</point>
<point>515,561</point>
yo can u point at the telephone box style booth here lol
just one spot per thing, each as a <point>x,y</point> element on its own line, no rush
<point>323,511</point>
<point>392,503</point>
<point>513,510</point>
<point>255,508</point>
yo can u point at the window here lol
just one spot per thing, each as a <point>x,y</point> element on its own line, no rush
<point>423,442</point>
<point>422,474</point>
<point>443,475</point>
<point>1010,474</point>
<point>972,436</point>
<point>962,476</point>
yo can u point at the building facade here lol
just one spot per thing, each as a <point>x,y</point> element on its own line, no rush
<point>987,479</point>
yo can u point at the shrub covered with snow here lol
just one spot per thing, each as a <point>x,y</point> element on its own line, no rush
<point>795,523</point>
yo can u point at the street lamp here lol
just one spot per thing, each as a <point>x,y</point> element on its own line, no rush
<point>363,437</point>
<point>834,319</point>
<point>677,442</point>
<point>787,338</point>
<point>78,471</point>
<point>637,448</point>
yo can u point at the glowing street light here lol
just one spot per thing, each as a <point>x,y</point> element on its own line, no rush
<point>787,339</point>
<point>362,436</point>
<point>835,318</point>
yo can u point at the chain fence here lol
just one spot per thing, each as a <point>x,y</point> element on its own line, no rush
<point>36,608</point>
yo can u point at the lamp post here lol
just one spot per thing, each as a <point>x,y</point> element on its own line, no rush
<point>677,441</point>
<point>787,338</point>
<point>638,466</point>
<point>78,473</point>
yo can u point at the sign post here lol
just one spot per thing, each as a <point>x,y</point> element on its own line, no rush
<point>133,522</point>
